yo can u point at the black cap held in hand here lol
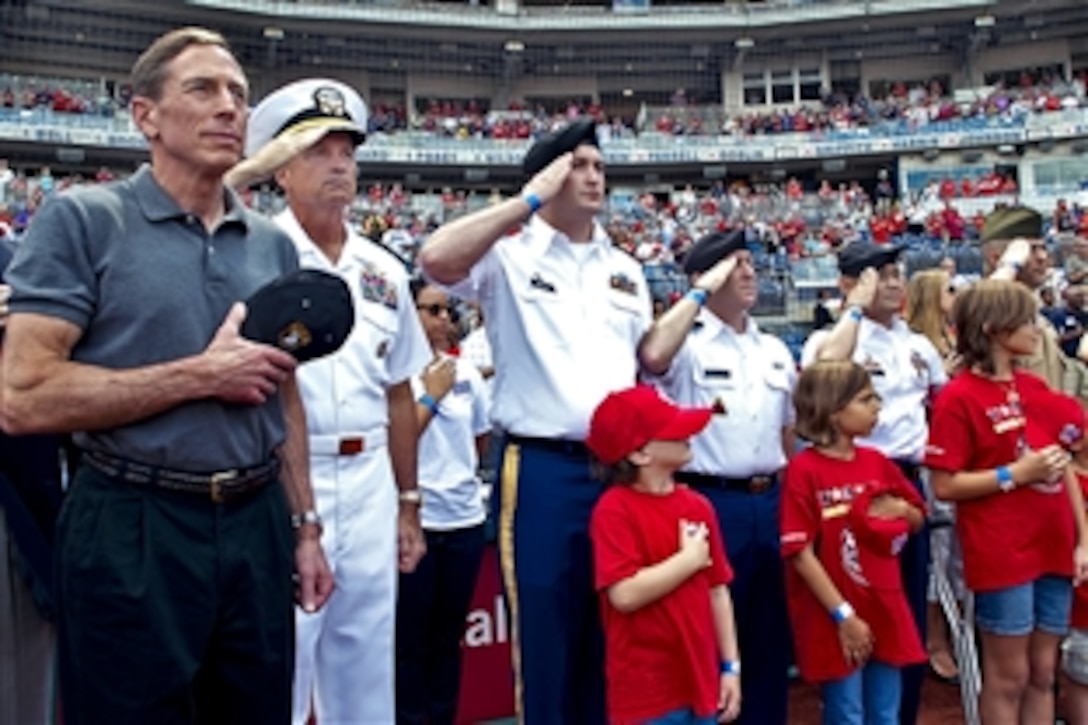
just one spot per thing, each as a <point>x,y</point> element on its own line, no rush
<point>553,145</point>
<point>307,313</point>
<point>715,246</point>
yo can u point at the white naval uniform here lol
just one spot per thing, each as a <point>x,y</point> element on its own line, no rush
<point>564,321</point>
<point>905,367</point>
<point>452,494</point>
<point>344,656</point>
<point>751,374</point>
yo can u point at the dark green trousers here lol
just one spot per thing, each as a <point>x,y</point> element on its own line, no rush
<point>174,609</point>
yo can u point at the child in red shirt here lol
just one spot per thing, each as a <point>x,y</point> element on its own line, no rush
<point>994,451</point>
<point>846,512</point>
<point>670,645</point>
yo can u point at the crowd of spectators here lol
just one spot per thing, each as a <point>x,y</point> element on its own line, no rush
<point>901,107</point>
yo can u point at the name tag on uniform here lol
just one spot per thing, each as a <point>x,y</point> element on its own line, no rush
<point>718,374</point>
<point>538,282</point>
<point>461,387</point>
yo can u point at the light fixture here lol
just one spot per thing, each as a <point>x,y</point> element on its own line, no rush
<point>744,43</point>
<point>627,93</point>
<point>985,21</point>
<point>514,46</point>
<point>273,33</point>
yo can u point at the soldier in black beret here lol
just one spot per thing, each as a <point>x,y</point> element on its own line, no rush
<point>708,351</point>
<point>555,144</point>
<point>569,308</point>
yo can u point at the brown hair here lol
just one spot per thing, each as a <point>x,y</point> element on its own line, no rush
<point>924,313</point>
<point>149,71</point>
<point>824,389</point>
<point>622,472</point>
<point>986,309</point>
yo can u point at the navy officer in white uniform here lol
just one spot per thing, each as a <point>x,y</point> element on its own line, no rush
<point>565,310</point>
<point>706,350</point>
<point>906,371</point>
<point>360,411</point>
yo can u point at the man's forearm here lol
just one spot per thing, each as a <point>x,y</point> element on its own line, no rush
<point>450,253</point>
<point>403,435</point>
<point>43,394</point>
<point>840,341</point>
<point>666,336</point>
<point>294,453</point>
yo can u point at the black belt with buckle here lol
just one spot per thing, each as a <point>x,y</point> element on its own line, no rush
<point>752,484</point>
<point>555,445</point>
<point>219,486</point>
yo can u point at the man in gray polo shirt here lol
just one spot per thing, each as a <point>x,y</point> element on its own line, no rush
<point>174,546</point>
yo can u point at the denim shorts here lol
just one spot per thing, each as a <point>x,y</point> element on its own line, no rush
<point>1042,604</point>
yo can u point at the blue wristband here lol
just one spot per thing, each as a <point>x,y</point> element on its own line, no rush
<point>429,402</point>
<point>533,201</point>
<point>842,613</point>
<point>1005,482</point>
<point>854,313</point>
<point>730,667</point>
<point>697,295</point>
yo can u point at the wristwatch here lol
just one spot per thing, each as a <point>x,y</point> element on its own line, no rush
<point>307,517</point>
<point>410,495</point>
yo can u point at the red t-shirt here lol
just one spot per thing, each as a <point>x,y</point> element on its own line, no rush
<point>816,507</point>
<point>1010,538</point>
<point>665,655</point>
<point>1079,620</point>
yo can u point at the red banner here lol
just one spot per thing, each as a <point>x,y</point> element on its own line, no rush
<point>487,680</point>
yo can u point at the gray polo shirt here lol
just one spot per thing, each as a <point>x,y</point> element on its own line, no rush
<point>146,283</point>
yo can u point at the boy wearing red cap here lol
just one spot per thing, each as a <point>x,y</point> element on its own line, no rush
<point>661,570</point>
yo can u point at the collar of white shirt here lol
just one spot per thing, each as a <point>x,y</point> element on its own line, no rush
<point>543,236</point>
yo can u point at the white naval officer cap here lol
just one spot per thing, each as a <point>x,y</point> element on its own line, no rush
<point>313,103</point>
<point>291,120</point>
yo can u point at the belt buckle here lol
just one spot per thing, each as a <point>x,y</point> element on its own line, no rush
<point>351,446</point>
<point>215,482</point>
<point>759,484</point>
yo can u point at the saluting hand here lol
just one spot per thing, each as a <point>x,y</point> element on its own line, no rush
<point>713,279</point>
<point>865,290</point>
<point>240,370</point>
<point>548,181</point>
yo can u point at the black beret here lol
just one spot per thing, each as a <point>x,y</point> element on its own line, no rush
<point>1012,222</point>
<point>706,252</point>
<point>857,256</point>
<point>553,145</point>
<point>308,313</point>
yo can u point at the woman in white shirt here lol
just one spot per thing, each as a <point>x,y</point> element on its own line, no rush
<point>451,406</point>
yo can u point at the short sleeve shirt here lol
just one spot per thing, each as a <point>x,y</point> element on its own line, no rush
<point>905,369</point>
<point>345,392</point>
<point>816,501</point>
<point>146,283</point>
<point>1010,538</point>
<point>750,376</point>
<point>663,656</point>
<point>564,321</point>
<point>452,497</point>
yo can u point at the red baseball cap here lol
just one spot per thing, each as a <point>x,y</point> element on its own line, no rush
<point>628,419</point>
<point>879,542</point>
